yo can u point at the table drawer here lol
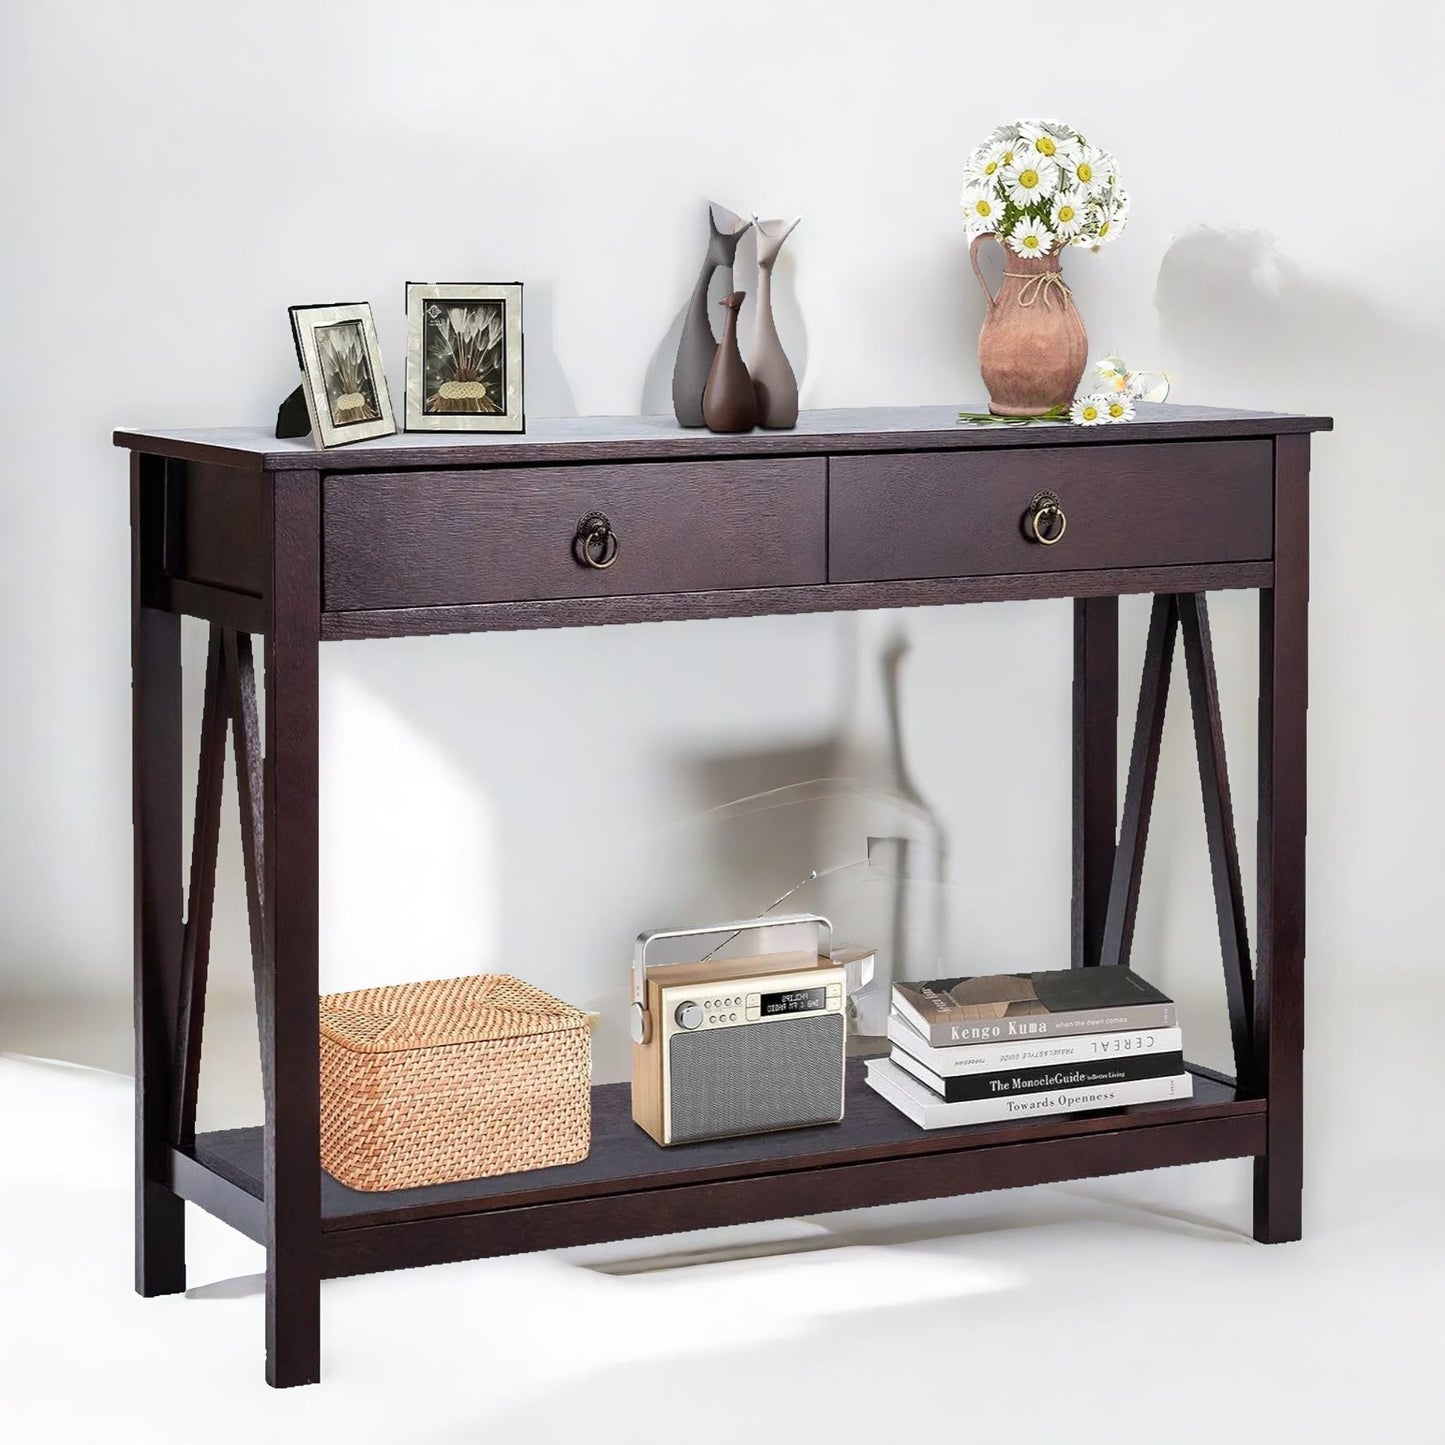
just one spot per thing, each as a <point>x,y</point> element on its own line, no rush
<point>962,514</point>
<point>428,539</point>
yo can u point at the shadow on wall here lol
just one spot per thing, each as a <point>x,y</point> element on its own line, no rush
<point>1244,324</point>
<point>1231,303</point>
<point>567,858</point>
<point>831,805</point>
<point>1244,319</point>
<point>787,314</point>
<point>548,392</point>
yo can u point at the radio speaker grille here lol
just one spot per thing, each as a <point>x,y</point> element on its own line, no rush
<point>778,1075</point>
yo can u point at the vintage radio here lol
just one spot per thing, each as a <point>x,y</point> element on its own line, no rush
<point>730,1046</point>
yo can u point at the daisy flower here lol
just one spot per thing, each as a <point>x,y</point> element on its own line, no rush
<point>982,209</point>
<point>1084,171</point>
<point>1000,146</point>
<point>1068,214</point>
<point>1030,237</point>
<point>1050,139</point>
<point>1118,407</point>
<point>1109,220</point>
<point>986,164</point>
<point>1089,410</point>
<point>1029,179</point>
<point>1066,153</point>
<point>1046,146</point>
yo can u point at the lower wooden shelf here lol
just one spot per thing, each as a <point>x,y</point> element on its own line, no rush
<point>630,1187</point>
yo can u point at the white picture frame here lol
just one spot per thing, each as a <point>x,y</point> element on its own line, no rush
<point>342,377</point>
<point>464,357</point>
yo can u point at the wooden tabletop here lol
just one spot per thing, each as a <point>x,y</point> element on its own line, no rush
<point>607,438</point>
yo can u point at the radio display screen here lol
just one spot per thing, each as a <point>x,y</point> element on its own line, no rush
<point>793,1001</point>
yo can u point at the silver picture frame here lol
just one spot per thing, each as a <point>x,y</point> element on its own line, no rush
<point>342,376</point>
<point>464,357</point>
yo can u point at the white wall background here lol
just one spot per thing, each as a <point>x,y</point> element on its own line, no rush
<point>174,175</point>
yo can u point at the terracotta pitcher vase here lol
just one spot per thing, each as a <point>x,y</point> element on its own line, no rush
<point>1033,347</point>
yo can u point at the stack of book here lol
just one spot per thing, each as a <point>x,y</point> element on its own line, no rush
<point>1006,1046</point>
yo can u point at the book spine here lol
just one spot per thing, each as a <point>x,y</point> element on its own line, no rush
<point>1139,1016</point>
<point>1032,1081</point>
<point>939,1115</point>
<point>960,1059</point>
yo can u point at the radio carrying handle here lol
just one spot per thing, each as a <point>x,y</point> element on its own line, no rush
<point>641,1020</point>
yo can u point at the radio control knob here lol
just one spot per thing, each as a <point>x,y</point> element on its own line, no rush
<point>688,1015</point>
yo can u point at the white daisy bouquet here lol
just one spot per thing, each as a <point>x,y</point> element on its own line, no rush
<point>1038,185</point>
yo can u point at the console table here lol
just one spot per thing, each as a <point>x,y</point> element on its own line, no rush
<point>594,521</point>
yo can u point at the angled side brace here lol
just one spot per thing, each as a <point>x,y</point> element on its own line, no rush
<point>201,897</point>
<point>1219,826</point>
<point>229,705</point>
<point>1139,791</point>
<point>1187,612</point>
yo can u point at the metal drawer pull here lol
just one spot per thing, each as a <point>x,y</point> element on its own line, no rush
<point>596,544</point>
<point>1045,521</point>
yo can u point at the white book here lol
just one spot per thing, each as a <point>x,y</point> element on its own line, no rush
<point>960,1059</point>
<point>1120,1070</point>
<point>915,1099</point>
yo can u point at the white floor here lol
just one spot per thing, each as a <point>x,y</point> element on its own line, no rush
<point>1134,1309</point>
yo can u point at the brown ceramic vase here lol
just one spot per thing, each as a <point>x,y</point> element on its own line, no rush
<point>729,401</point>
<point>1033,347</point>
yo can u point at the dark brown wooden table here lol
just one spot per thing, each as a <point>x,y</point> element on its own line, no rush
<point>854,509</point>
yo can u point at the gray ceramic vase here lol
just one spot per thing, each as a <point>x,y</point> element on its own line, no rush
<point>698,344</point>
<point>773,378</point>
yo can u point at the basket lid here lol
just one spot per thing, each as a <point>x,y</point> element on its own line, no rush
<point>475,1009</point>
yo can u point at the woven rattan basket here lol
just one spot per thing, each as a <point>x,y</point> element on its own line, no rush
<point>424,1083</point>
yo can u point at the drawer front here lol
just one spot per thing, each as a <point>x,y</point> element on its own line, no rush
<point>429,539</point>
<point>962,514</point>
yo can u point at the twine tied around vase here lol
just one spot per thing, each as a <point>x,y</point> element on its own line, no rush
<point>1038,284</point>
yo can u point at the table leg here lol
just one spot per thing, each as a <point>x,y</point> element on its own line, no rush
<point>288,1002</point>
<point>1279,981</point>
<point>160,1221</point>
<point>1096,769</point>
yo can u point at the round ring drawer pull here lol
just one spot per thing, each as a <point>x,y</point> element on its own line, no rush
<point>1045,521</point>
<point>596,544</point>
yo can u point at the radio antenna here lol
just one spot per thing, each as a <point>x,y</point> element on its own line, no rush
<point>783,897</point>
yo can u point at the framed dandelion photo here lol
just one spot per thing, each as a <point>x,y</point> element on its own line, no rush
<point>464,357</point>
<point>341,373</point>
